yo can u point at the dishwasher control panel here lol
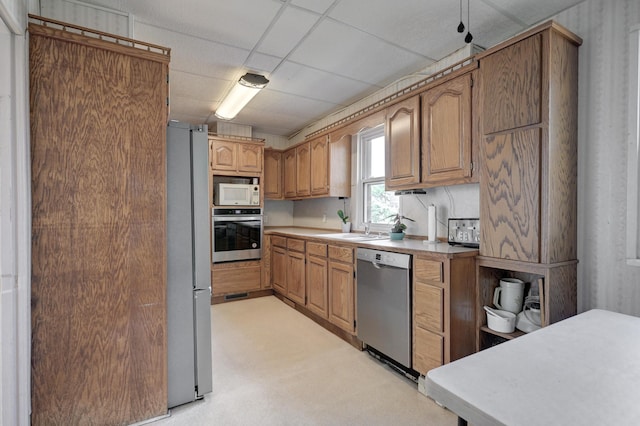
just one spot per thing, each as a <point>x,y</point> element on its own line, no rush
<point>398,260</point>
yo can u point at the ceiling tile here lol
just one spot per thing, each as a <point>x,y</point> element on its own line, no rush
<point>291,26</point>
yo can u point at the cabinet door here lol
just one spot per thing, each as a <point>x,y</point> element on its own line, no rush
<point>279,269</point>
<point>510,196</point>
<point>303,170</point>
<point>428,307</point>
<point>250,158</point>
<point>319,166</point>
<point>427,350</point>
<point>236,277</point>
<point>273,174</point>
<point>341,295</point>
<point>266,261</point>
<point>446,131</point>
<point>296,277</point>
<point>224,155</point>
<point>317,286</point>
<point>290,173</point>
<point>402,142</point>
<point>511,82</point>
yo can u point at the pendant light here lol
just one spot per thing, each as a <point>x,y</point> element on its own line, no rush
<point>461,25</point>
<point>468,37</point>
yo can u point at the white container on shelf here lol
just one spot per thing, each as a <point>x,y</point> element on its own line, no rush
<point>500,320</point>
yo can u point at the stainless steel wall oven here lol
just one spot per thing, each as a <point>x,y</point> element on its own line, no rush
<point>236,234</point>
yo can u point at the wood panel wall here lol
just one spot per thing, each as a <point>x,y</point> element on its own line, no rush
<point>98,120</point>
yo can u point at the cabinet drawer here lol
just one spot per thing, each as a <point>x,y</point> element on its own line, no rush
<point>427,270</point>
<point>317,249</point>
<point>236,278</point>
<point>278,241</point>
<point>427,350</point>
<point>295,245</point>
<point>428,305</point>
<point>343,254</point>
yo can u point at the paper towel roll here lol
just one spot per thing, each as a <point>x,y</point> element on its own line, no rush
<point>431,223</point>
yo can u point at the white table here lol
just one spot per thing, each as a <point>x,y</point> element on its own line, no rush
<point>584,370</point>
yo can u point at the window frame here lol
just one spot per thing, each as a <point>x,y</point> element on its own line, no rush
<point>633,165</point>
<point>362,198</point>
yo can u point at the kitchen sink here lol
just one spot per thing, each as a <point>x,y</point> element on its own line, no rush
<point>355,237</point>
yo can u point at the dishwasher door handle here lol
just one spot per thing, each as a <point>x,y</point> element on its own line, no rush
<point>376,265</point>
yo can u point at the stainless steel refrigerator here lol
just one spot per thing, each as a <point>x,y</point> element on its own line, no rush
<point>188,267</point>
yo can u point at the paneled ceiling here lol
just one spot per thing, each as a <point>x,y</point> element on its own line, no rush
<point>319,55</point>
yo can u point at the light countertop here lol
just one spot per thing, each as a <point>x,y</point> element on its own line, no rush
<point>407,245</point>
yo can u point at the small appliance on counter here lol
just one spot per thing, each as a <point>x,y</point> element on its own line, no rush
<point>464,232</point>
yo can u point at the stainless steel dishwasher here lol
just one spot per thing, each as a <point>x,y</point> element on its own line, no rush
<point>384,305</point>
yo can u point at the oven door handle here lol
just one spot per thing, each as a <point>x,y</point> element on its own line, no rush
<point>235,218</point>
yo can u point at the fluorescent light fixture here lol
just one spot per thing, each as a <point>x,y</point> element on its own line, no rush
<point>245,89</point>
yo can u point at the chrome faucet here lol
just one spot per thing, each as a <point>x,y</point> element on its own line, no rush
<point>367,225</point>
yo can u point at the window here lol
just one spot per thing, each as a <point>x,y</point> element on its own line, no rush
<point>633,169</point>
<point>376,204</point>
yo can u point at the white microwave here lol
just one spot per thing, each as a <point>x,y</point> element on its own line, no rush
<point>236,194</point>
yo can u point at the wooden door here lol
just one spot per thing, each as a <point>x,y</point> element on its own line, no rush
<point>290,177</point>
<point>279,269</point>
<point>296,289</point>
<point>319,166</point>
<point>446,131</point>
<point>402,142</point>
<point>512,86</point>
<point>273,172</point>
<point>317,285</point>
<point>341,295</point>
<point>510,196</point>
<point>303,170</point>
<point>224,155</point>
<point>250,158</point>
<point>98,280</point>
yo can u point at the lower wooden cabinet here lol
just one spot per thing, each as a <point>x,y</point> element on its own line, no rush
<point>317,279</point>
<point>443,309</point>
<point>279,269</point>
<point>236,277</point>
<point>296,281</point>
<point>288,263</point>
<point>342,288</point>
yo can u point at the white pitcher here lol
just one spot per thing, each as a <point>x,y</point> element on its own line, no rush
<point>509,295</point>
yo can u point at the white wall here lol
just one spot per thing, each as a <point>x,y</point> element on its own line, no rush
<point>15,219</point>
<point>604,279</point>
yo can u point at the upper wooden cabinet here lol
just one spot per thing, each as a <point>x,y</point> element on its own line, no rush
<point>303,170</point>
<point>446,132</point>
<point>402,143</point>
<point>273,174</point>
<point>289,160</point>
<point>235,157</point>
<point>528,155</point>
<point>320,167</point>
<point>512,86</point>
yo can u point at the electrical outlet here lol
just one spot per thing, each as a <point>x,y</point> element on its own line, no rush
<point>265,219</point>
<point>324,218</point>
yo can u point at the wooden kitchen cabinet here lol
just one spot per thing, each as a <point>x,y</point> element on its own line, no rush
<point>290,184</point>
<point>273,174</point>
<point>444,306</point>
<point>447,132</point>
<point>236,157</point>
<point>266,261</point>
<point>528,183</point>
<point>279,268</point>
<point>236,277</point>
<point>318,168</point>
<point>342,288</point>
<point>303,170</point>
<point>402,144</point>
<point>528,180</point>
<point>319,165</point>
<point>317,279</point>
<point>288,275</point>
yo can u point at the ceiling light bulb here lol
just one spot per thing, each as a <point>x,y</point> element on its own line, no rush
<point>245,89</point>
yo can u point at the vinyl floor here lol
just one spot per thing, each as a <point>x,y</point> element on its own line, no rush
<point>274,366</point>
